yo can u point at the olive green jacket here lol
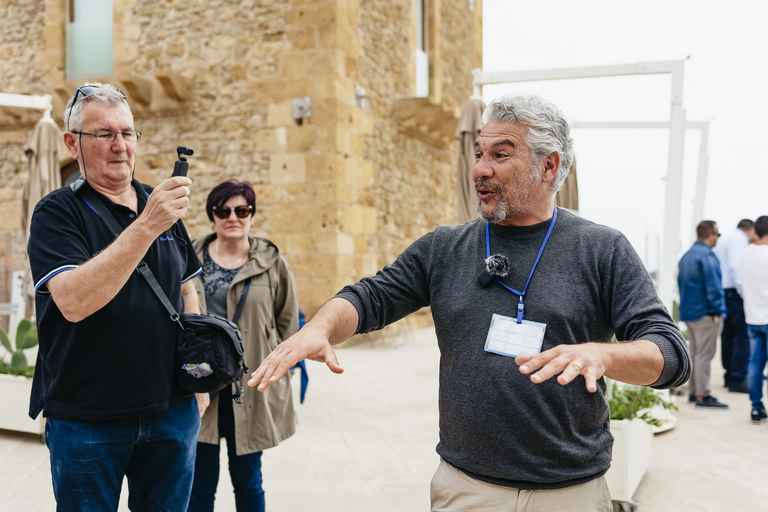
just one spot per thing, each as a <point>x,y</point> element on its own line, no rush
<point>270,315</point>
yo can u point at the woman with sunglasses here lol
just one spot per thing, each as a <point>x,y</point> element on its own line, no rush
<point>270,315</point>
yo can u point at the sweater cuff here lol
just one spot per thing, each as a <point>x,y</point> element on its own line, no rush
<point>353,299</point>
<point>671,362</point>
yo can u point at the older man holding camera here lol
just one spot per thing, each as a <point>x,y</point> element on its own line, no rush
<point>104,377</point>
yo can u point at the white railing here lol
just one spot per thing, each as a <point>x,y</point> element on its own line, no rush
<point>16,309</point>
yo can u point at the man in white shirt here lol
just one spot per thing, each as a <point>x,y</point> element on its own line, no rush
<point>754,279</point>
<point>734,338</point>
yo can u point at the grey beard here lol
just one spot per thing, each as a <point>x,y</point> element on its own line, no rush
<point>497,215</point>
<point>522,199</point>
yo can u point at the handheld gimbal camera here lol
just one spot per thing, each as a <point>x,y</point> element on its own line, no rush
<point>181,166</point>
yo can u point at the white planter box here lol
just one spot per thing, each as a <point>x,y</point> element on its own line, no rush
<point>631,456</point>
<point>14,401</point>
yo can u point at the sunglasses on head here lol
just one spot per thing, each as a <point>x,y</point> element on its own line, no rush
<point>85,91</point>
<point>223,212</point>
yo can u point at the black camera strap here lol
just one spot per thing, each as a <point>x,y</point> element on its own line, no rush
<point>241,303</point>
<point>142,268</point>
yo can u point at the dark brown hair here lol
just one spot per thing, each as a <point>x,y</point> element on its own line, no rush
<point>704,229</point>
<point>231,188</point>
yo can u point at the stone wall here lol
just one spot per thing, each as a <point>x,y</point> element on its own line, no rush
<point>21,71</point>
<point>415,183</point>
<point>342,192</point>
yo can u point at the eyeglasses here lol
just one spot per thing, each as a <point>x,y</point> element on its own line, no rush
<point>85,91</point>
<point>242,212</point>
<point>128,136</point>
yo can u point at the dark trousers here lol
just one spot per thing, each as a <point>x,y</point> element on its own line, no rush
<point>735,339</point>
<point>244,470</point>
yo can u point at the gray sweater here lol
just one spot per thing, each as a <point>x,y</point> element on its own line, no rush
<point>495,424</point>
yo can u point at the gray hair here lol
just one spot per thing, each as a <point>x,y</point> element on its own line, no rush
<point>548,128</point>
<point>106,94</point>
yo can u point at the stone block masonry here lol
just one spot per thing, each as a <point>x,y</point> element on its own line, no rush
<point>342,192</point>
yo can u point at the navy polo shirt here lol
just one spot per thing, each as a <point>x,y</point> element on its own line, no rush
<point>118,362</point>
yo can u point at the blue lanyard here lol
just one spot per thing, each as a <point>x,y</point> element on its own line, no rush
<point>520,306</point>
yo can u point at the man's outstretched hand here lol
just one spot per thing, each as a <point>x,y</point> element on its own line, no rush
<point>570,361</point>
<point>308,343</point>
<point>637,362</point>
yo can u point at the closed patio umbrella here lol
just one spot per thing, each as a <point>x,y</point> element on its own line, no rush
<point>568,195</point>
<point>467,131</point>
<point>45,150</point>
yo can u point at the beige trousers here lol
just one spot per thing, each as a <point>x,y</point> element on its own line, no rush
<point>453,491</point>
<point>702,342</point>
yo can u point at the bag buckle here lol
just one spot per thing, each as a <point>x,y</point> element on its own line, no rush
<point>175,318</point>
<point>236,395</point>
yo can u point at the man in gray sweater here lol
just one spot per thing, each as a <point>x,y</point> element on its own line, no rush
<point>525,302</point>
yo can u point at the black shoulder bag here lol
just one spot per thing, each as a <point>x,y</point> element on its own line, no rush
<point>209,349</point>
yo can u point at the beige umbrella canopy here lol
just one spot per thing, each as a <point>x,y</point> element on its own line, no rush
<point>568,195</point>
<point>467,131</point>
<point>45,150</point>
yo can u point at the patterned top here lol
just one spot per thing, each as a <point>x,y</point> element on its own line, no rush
<point>216,280</point>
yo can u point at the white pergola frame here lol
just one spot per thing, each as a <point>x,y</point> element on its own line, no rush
<point>28,101</point>
<point>676,125</point>
<point>703,167</point>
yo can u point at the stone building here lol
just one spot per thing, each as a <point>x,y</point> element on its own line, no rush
<point>377,86</point>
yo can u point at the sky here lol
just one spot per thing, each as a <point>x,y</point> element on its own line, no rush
<point>621,171</point>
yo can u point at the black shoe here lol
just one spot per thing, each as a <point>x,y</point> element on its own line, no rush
<point>710,402</point>
<point>691,399</point>
<point>738,387</point>
<point>758,415</point>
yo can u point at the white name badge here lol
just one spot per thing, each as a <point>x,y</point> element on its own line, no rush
<point>508,338</point>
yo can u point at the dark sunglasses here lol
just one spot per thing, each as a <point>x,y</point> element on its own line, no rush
<point>223,212</point>
<point>85,91</point>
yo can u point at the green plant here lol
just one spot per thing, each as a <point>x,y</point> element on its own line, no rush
<point>26,337</point>
<point>631,402</point>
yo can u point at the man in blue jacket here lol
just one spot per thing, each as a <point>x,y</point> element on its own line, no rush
<point>702,308</point>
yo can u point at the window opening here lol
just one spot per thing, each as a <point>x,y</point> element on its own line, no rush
<point>89,39</point>
<point>422,57</point>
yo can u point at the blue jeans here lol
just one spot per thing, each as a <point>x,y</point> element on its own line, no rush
<point>244,470</point>
<point>758,336</point>
<point>156,452</point>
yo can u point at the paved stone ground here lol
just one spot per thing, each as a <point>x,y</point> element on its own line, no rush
<point>366,443</point>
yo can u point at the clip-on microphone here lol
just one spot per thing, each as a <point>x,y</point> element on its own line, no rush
<point>495,266</point>
<point>485,277</point>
